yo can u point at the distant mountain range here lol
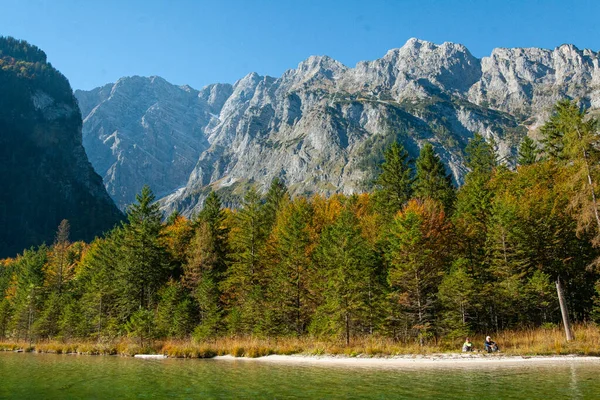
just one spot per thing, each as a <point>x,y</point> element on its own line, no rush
<point>322,127</point>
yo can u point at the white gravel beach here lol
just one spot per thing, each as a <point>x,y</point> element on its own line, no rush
<point>414,360</point>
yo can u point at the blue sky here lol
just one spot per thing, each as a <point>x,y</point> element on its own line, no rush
<point>202,42</point>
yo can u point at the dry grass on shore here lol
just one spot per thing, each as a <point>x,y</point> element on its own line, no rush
<point>522,342</point>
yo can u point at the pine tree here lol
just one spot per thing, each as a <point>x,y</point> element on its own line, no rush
<point>431,180</point>
<point>572,140</point>
<point>26,299</point>
<point>474,202</point>
<point>174,314</point>
<point>144,266</point>
<point>202,275</point>
<point>99,284</point>
<point>528,152</point>
<point>346,264</point>
<point>292,274</point>
<point>275,196</point>
<point>480,155</point>
<point>244,282</point>
<point>417,258</point>
<point>60,267</point>
<point>206,266</point>
<point>395,181</point>
<point>456,295</point>
<point>213,215</point>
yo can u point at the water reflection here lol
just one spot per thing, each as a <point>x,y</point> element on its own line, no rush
<point>50,376</point>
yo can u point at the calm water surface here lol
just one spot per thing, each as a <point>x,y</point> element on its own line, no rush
<point>47,376</point>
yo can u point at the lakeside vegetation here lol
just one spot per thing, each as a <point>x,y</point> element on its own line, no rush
<point>528,342</point>
<point>411,268</point>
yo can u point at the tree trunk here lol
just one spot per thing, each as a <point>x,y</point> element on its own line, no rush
<point>298,327</point>
<point>347,330</point>
<point>590,182</point>
<point>563,309</point>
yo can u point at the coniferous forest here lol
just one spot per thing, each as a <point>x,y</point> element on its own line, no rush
<point>416,260</point>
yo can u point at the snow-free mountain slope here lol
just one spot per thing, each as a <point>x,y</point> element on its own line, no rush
<point>322,126</point>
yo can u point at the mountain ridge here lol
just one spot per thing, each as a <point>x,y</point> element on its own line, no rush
<point>318,125</point>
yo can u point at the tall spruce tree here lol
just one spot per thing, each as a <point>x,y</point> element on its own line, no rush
<point>99,279</point>
<point>431,180</point>
<point>292,275</point>
<point>571,139</point>
<point>206,266</point>
<point>144,265</point>
<point>275,196</point>
<point>244,283</point>
<point>417,255</point>
<point>395,181</point>
<point>346,263</point>
<point>528,152</point>
<point>474,202</point>
<point>213,216</point>
<point>26,299</point>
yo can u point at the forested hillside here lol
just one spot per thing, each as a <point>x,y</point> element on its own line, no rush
<point>416,260</point>
<point>44,172</point>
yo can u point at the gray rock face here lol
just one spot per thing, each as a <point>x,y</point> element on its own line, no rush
<point>322,127</point>
<point>146,131</point>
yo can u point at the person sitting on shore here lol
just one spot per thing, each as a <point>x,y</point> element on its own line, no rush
<point>490,345</point>
<point>467,346</point>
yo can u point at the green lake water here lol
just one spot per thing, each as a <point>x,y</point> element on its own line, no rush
<point>46,376</point>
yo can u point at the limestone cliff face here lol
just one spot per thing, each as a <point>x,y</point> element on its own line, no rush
<point>322,127</point>
<point>44,174</point>
<point>145,130</point>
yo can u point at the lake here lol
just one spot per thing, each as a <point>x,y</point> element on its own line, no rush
<point>108,377</point>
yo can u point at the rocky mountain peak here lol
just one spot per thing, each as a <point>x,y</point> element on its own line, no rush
<point>322,126</point>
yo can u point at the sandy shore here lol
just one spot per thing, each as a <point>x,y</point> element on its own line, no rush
<point>414,360</point>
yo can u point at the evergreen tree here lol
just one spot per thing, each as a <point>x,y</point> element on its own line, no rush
<point>275,196</point>
<point>26,299</point>
<point>417,258</point>
<point>144,264</point>
<point>474,202</point>
<point>202,276</point>
<point>141,325</point>
<point>346,264</point>
<point>59,270</point>
<point>206,266</point>
<point>480,155</point>
<point>292,274</point>
<point>528,152</point>
<point>175,313</point>
<point>213,215</point>
<point>244,282</point>
<point>395,181</point>
<point>431,180</point>
<point>572,140</point>
<point>456,295</point>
